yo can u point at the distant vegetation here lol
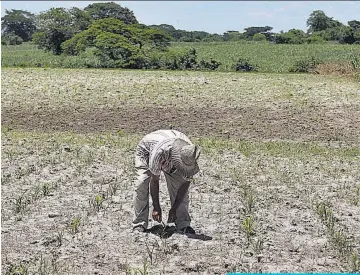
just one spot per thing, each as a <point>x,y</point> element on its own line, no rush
<point>107,35</point>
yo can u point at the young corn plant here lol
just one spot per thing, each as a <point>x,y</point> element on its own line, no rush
<point>97,202</point>
<point>258,245</point>
<point>20,203</point>
<point>46,188</point>
<point>354,263</point>
<point>341,242</point>
<point>59,237</point>
<point>138,271</point>
<point>113,186</point>
<point>248,227</point>
<point>74,225</point>
<point>21,269</point>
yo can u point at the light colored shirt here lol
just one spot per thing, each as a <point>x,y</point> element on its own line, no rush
<point>154,149</point>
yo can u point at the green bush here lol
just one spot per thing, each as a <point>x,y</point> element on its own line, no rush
<point>315,39</point>
<point>305,65</point>
<point>259,37</point>
<point>211,65</point>
<point>243,65</point>
<point>11,39</point>
<point>187,61</point>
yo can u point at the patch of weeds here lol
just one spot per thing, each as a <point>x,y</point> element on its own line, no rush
<point>337,237</point>
<point>305,65</point>
<point>74,225</point>
<point>97,202</point>
<point>18,269</point>
<point>326,215</point>
<point>341,242</point>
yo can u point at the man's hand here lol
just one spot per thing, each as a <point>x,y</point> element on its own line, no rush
<point>172,215</point>
<point>156,215</point>
<point>154,191</point>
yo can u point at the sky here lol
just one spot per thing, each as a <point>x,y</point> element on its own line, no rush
<point>215,16</point>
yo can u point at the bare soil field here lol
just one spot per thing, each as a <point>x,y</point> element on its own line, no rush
<point>278,191</point>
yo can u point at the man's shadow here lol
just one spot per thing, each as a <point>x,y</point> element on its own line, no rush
<point>168,231</point>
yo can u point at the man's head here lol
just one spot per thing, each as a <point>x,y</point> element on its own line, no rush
<point>184,157</point>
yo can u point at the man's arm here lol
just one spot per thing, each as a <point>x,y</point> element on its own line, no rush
<point>154,192</point>
<point>179,198</point>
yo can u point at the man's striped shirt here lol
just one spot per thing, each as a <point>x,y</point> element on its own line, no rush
<point>154,149</point>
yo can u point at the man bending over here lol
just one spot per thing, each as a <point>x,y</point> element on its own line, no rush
<point>170,152</point>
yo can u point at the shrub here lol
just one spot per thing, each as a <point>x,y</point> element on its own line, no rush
<point>11,39</point>
<point>315,39</point>
<point>305,65</point>
<point>212,65</point>
<point>259,37</point>
<point>243,65</point>
<point>186,61</point>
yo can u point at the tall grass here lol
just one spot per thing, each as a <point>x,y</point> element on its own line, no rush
<point>268,57</point>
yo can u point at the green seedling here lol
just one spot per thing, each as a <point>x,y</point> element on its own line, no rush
<point>20,203</point>
<point>247,227</point>
<point>74,225</point>
<point>354,263</point>
<point>46,189</point>
<point>97,202</point>
<point>59,238</point>
<point>258,245</point>
<point>20,269</point>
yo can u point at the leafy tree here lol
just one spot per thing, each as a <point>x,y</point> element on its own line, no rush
<point>259,37</point>
<point>55,26</point>
<point>81,19</point>
<point>293,36</point>
<point>118,44</point>
<point>11,39</point>
<point>213,38</point>
<point>342,34</point>
<point>167,28</point>
<point>58,25</point>
<point>319,21</point>
<point>251,31</point>
<point>354,25</point>
<point>18,22</point>
<point>110,10</point>
<point>315,39</point>
<point>233,36</point>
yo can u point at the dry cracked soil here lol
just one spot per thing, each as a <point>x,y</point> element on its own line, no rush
<point>278,190</point>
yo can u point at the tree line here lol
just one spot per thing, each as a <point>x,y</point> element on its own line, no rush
<point>112,34</point>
